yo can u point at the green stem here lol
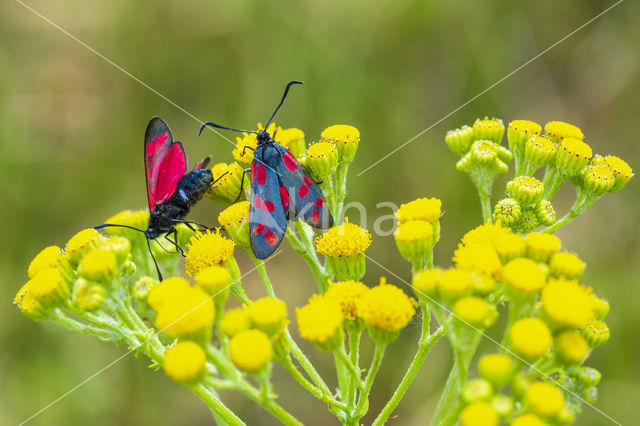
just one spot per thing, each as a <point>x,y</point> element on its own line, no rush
<point>264,276</point>
<point>341,355</point>
<point>104,334</point>
<point>371,375</point>
<point>583,202</point>
<point>426,343</point>
<point>485,201</point>
<point>306,364</point>
<point>288,365</point>
<point>355,334</point>
<point>552,181</point>
<point>221,410</point>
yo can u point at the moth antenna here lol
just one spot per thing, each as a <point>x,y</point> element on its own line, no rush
<point>286,91</point>
<point>217,126</point>
<point>106,225</point>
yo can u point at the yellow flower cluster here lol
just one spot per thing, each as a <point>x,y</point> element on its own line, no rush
<point>344,245</point>
<point>207,249</point>
<point>418,228</point>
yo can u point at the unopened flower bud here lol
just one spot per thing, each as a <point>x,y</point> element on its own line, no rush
<point>503,405</point>
<point>545,212</point>
<point>100,266</point>
<point>235,220</point>
<point>322,159</point>
<point>476,390</point>
<point>414,240</point>
<point>345,138</point>
<point>507,211</point>
<point>491,130</point>
<point>621,172</point>
<point>425,283</point>
<point>588,376</point>
<point>526,190</point>
<point>596,332</point>
<point>459,140</point>
<point>143,287</point>
<point>539,151</point>
<point>228,181</point>
<point>559,130</point>
<point>571,347</point>
<point>572,156</point>
<point>519,132</point>
<point>88,296</point>
<point>597,180</point>
<point>293,139</point>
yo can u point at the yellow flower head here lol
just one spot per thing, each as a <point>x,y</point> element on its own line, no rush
<point>320,321</point>
<point>213,279</point>
<point>558,130</point>
<point>414,239</point>
<point>600,307</point>
<point>475,311</point>
<point>387,307</point>
<point>571,347</point>
<point>207,249</point>
<point>544,399</point>
<point>80,243</point>
<point>524,275</point>
<point>572,155</point>
<point>520,131</point>
<point>425,282</point>
<point>228,181</point>
<point>478,258</point>
<point>528,420</point>
<point>184,361</point>
<point>234,321</point>
<point>621,171</point>
<point>530,337</point>
<point>526,190</point>
<point>291,138</point>
<point>245,155</point>
<point>345,138</point>
<point>183,310</point>
<point>234,214</point>
<point>250,350</point>
<point>539,151</point>
<point>322,159</point>
<point>268,314</point>
<point>479,413</point>
<point>510,246</point>
<point>344,240</point>
<point>99,265</point>
<point>485,235</point>
<point>567,265</point>
<point>541,246</point>
<point>134,218</point>
<point>347,294</point>
<point>47,258</point>
<point>454,283</point>
<point>426,209</point>
<point>496,368</point>
<point>489,129</point>
<point>567,303</point>
<point>40,295</point>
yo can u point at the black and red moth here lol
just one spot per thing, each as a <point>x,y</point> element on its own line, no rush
<point>281,190</point>
<point>171,190</point>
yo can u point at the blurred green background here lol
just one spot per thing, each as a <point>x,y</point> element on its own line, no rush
<point>71,130</point>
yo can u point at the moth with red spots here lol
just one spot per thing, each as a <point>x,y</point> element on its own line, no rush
<point>281,190</point>
<point>171,190</point>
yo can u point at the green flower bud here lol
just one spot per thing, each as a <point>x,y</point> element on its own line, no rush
<point>600,308</point>
<point>235,220</point>
<point>526,190</point>
<point>591,395</point>
<point>558,375</point>
<point>491,130</point>
<point>528,221</point>
<point>545,212</point>
<point>566,416</point>
<point>504,154</point>
<point>88,296</point>
<point>414,240</point>
<point>484,152</point>
<point>597,180</point>
<point>476,390</point>
<point>496,368</point>
<point>503,405</point>
<point>519,132</point>
<point>228,181</point>
<point>119,246</point>
<point>596,332</point>
<point>347,267</point>
<point>621,171</point>
<point>520,384</point>
<point>459,140</point>
<point>572,156</point>
<point>322,159</point>
<point>539,151</point>
<point>588,376</point>
<point>142,287</point>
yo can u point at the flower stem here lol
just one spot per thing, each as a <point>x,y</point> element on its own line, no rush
<point>306,364</point>
<point>288,365</point>
<point>220,410</point>
<point>426,343</point>
<point>485,200</point>
<point>371,375</point>
<point>264,276</point>
<point>354,356</point>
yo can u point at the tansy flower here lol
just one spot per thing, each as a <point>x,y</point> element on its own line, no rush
<point>245,155</point>
<point>454,283</point>
<point>571,347</point>
<point>134,218</point>
<point>539,151</point>
<point>545,213</point>
<point>507,212</point>
<point>268,314</point>
<point>478,258</point>
<point>541,246</point>
<point>621,171</point>
<point>207,249</point>
<point>596,180</point>
<point>496,368</point>
<point>234,321</point>
<point>120,247</point>
<point>519,132</point>
<point>530,337</point>
<point>414,239</point>
<point>345,138</point>
<point>184,361</point>
<point>347,294</point>
<point>99,265</point>
<point>486,234</point>
<point>320,321</point>
<point>385,309</point>
<point>425,283</point>
<point>503,405</point>
<point>600,307</point>
<point>489,129</point>
<point>47,258</point>
<point>572,155</point>
<point>475,311</point>
<point>344,246</point>
<point>215,280</point>
<point>40,295</point>
<point>524,275</point>
<point>526,190</point>
<point>322,159</point>
<point>88,296</point>
<point>480,413</point>
<point>80,243</point>
<point>596,332</point>
<point>528,420</point>
<point>250,350</point>
<point>558,130</point>
<point>510,246</point>
<point>544,399</point>
<point>235,220</point>
<point>426,209</point>
<point>293,139</point>
<point>566,303</point>
<point>228,181</point>
<point>588,376</point>
<point>567,265</point>
<point>459,140</point>
<point>181,309</point>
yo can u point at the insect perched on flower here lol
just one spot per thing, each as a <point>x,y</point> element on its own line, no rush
<point>281,190</point>
<point>171,191</point>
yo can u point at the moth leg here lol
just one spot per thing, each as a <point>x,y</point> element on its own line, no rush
<point>189,224</point>
<point>244,172</point>
<point>244,149</point>
<point>174,242</point>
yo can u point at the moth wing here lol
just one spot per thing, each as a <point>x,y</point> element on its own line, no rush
<point>305,195</point>
<point>267,218</point>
